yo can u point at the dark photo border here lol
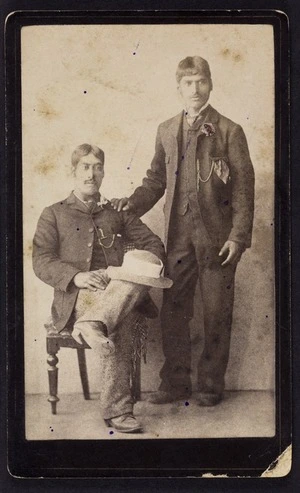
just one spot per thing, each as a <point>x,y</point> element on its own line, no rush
<point>243,457</point>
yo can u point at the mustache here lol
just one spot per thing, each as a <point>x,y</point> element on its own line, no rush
<point>90,182</point>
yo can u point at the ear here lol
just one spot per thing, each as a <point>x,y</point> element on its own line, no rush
<point>211,85</point>
<point>73,171</point>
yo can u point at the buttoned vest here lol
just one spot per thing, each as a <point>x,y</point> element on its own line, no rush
<point>186,191</point>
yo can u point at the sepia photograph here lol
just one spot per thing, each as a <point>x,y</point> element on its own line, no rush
<point>148,231</point>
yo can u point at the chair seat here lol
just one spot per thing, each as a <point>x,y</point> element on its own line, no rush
<point>63,338</point>
<point>52,330</point>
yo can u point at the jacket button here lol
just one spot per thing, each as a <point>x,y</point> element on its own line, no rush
<point>91,230</point>
<point>89,244</point>
<point>88,259</point>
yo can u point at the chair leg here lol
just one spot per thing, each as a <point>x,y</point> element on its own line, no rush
<point>52,361</point>
<point>83,373</point>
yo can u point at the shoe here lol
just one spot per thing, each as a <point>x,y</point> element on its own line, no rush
<point>126,423</point>
<point>209,399</point>
<point>92,334</point>
<point>163,397</point>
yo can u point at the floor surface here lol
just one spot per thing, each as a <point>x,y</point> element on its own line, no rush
<point>240,414</point>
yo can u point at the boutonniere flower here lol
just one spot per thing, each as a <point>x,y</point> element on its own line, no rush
<point>208,129</point>
<point>103,201</point>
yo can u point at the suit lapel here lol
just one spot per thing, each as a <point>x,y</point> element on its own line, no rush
<point>212,116</point>
<point>208,144</point>
<point>172,143</point>
<point>211,148</point>
<point>173,132</point>
<point>175,126</point>
<point>76,204</point>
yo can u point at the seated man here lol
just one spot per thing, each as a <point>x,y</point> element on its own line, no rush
<point>78,249</point>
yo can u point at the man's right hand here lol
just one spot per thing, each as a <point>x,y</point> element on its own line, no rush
<point>93,280</point>
<point>123,204</point>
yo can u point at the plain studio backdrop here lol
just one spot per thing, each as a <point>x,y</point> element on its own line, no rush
<point>111,86</point>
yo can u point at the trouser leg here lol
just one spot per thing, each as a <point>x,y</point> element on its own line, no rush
<point>115,308</point>
<point>115,396</point>
<point>177,310</point>
<point>217,290</point>
<point>108,306</point>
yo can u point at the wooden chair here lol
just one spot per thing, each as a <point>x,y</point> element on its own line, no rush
<point>57,340</point>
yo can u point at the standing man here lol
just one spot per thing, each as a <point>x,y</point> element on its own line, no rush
<point>202,161</point>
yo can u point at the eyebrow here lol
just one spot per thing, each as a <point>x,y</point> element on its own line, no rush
<point>93,164</point>
<point>201,77</point>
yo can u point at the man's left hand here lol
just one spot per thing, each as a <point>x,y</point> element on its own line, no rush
<point>233,250</point>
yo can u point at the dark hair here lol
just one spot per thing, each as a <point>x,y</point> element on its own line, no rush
<point>192,65</point>
<point>84,150</point>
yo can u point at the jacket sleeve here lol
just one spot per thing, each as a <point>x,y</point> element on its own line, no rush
<point>154,184</point>
<point>46,262</point>
<point>143,238</point>
<point>242,175</point>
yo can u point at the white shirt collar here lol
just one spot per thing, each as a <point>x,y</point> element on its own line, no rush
<point>103,201</point>
<point>198,112</point>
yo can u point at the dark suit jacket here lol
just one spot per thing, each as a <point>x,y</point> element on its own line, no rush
<point>227,210</point>
<point>63,243</point>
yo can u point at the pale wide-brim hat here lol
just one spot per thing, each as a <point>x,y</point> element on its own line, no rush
<point>141,267</point>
